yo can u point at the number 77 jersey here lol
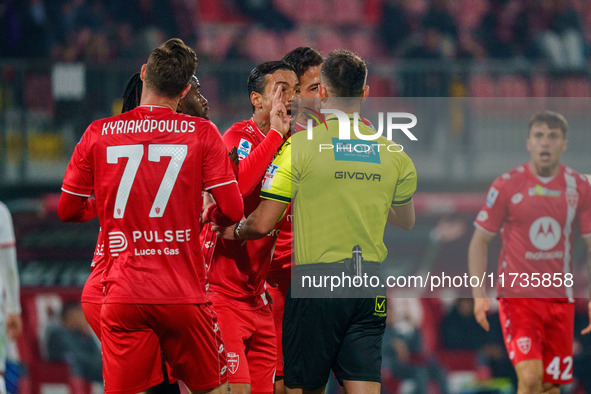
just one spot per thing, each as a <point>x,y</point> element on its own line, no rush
<point>147,169</point>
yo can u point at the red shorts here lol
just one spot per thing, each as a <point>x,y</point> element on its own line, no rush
<point>540,329</point>
<point>249,336</point>
<point>92,298</point>
<point>191,342</point>
<point>92,313</point>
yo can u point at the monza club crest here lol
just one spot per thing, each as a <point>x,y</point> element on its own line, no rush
<point>524,344</point>
<point>233,361</point>
<point>572,198</point>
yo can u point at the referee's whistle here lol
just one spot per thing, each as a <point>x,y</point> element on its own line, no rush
<point>357,260</point>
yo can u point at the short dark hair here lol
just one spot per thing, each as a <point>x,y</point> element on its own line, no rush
<point>552,119</point>
<point>133,93</point>
<point>257,80</point>
<point>302,58</point>
<point>170,67</point>
<point>344,73</point>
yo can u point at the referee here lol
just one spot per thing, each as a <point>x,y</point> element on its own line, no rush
<point>340,200</point>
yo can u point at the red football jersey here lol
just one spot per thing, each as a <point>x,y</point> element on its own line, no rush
<point>147,168</point>
<point>537,219</point>
<point>238,269</point>
<point>93,288</point>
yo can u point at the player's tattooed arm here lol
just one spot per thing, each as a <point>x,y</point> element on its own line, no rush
<point>258,224</point>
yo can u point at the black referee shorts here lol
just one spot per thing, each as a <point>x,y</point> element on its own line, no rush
<point>342,334</point>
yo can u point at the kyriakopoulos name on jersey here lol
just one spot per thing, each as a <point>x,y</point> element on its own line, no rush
<point>166,236</point>
<point>147,126</point>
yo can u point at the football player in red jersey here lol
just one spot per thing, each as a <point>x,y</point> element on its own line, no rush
<point>306,62</point>
<point>194,104</point>
<point>326,333</point>
<point>238,270</point>
<point>147,168</point>
<point>537,205</point>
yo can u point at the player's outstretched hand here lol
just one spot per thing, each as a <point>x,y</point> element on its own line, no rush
<point>587,329</point>
<point>481,306</point>
<point>280,119</point>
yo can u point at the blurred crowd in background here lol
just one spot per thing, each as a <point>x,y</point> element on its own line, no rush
<point>557,32</point>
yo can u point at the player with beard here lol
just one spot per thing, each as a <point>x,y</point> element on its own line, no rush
<point>149,301</point>
<point>194,104</point>
<point>306,62</point>
<point>334,215</point>
<point>536,205</point>
<point>238,270</point>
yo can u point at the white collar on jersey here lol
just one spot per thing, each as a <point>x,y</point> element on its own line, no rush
<point>153,106</point>
<point>546,179</point>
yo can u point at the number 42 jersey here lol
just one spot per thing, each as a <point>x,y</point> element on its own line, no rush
<point>147,169</point>
<point>538,220</point>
